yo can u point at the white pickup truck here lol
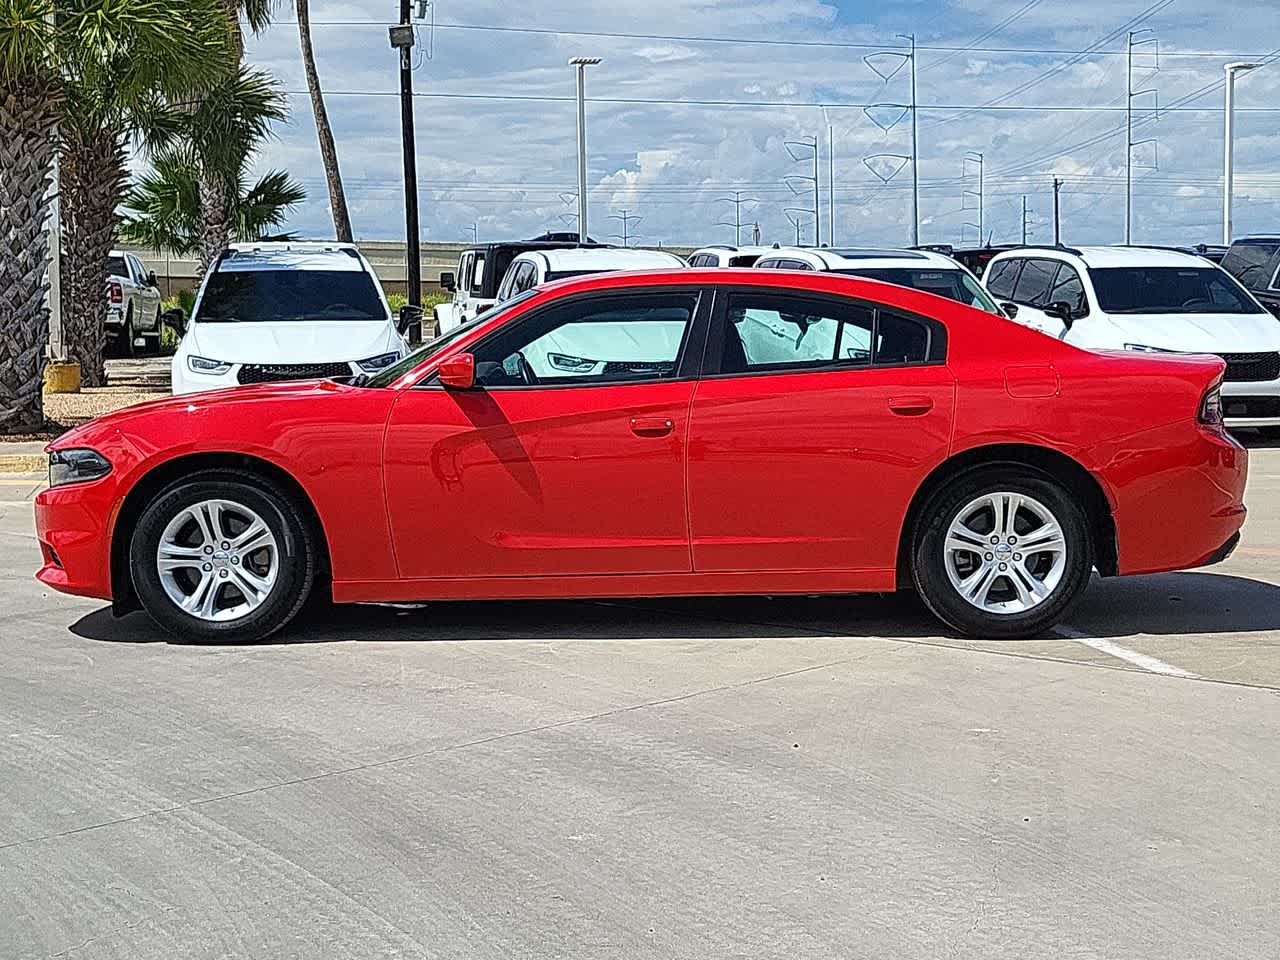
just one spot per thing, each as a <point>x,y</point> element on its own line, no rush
<point>481,268</point>
<point>133,305</point>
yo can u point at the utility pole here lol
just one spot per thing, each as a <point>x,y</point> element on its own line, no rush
<point>974,156</point>
<point>626,219</point>
<point>402,40</point>
<point>807,143</point>
<point>1129,142</point>
<point>755,233</point>
<point>1024,218</point>
<point>915,147</point>
<point>475,233</point>
<point>581,63</point>
<point>1229,147</point>
<point>831,186</point>
<point>737,201</point>
<point>1057,213</point>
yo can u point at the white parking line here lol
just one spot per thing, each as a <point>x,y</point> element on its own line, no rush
<point>1152,664</point>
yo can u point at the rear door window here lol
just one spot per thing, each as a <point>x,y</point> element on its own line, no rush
<point>1003,276</point>
<point>1067,288</point>
<point>1035,282</point>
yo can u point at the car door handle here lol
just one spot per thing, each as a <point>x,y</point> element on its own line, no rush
<point>651,426</point>
<point>910,406</point>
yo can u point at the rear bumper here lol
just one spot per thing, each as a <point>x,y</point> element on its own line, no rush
<point>73,525</point>
<point>1178,494</point>
<point>1251,404</point>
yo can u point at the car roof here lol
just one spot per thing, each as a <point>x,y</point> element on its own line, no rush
<point>1111,256</point>
<point>868,258</point>
<point>730,248</point>
<point>291,256</point>
<point>605,258</point>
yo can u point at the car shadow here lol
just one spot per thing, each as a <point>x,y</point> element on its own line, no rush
<point>1169,604</point>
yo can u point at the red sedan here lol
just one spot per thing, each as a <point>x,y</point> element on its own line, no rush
<point>675,433</point>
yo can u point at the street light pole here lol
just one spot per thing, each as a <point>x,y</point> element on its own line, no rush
<point>581,63</point>
<point>402,40</point>
<point>1228,150</point>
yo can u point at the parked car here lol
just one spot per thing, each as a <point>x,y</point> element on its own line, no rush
<point>537,267</point>
<point>727,256</point>
<point>973,259</point>
<point>287,311</point>
<point>481,269</point>
<point>919,269</point>
<point>133,305</point>
<point>1255,262</point>
<point>894,440</point>
<point>1150,300</point>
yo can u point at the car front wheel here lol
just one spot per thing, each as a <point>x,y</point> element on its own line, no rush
<point>227,558</point>
<point>1001,553</point>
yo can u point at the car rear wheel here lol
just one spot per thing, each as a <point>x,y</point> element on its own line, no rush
<point>1001,553</point>
<point>227,558</point>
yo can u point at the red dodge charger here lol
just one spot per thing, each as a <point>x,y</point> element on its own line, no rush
<point>683,432</point>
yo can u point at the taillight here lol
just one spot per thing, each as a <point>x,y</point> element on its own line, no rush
<point>1211,405</point>
<point>114,292</point>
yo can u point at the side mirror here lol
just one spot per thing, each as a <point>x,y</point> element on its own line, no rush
<point>459,373</point>
<point>409,323</point>
<point>176,319</point>
<point>1060,310</point>
<point>151,279</point>
<point>448,281</point>
<point>1010,309</point>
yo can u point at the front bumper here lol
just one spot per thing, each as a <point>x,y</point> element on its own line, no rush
<point>73,525</point>
<point>1251,404</point>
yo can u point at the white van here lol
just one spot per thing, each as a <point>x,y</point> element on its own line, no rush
<point>287,311</point>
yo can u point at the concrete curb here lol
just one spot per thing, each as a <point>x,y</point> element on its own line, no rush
<point>24,463</point>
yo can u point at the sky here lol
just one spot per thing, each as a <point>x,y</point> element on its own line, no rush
<point>699,99</point>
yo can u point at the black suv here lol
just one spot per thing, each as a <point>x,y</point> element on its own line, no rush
<point>1255,262</point>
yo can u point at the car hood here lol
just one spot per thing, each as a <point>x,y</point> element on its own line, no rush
<point>195,403</point>
<point>292,341</point>
<point>1200,332</point>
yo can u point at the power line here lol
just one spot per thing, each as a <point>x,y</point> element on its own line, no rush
<point>969,47</point>
<point>772,42</point>
<point>669,102</point>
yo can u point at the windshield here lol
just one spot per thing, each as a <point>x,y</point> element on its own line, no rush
<point>432,347</point>
<point>116,267</point>
<point>243,296</point>
<point>952,284</point>
<point>1169,290</point>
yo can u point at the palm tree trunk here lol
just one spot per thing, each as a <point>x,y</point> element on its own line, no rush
<point>28,117</point>
<point>91,182</point>
<point>328,152</point>
<point>215,229</point>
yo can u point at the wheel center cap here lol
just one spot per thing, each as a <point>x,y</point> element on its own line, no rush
<point>221,557</point>
<point>1004,549</point>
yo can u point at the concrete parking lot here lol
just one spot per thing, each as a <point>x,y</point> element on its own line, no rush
<point>798,777</point>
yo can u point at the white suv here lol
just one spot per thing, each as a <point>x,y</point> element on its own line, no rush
<point>728,256</point>
<point>286,311</point>
<point>542,266</point>
<point>1153,301</point>
<point>919,269</point>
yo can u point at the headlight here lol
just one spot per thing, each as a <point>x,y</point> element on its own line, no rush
<point>1143,348</point>
<point>76,466</point>
<point>380,362</point>
<point>205,365</point>
<point>563,361</point>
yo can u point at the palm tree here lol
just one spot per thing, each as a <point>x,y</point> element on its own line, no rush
<point>163,210</point>
<point>215,224</point>
<point>223,131</point>
<point>328,152</point>
<point>112,93</point>
<point>29,98</point>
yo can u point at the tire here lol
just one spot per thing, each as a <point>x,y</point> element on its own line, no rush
<point>232,596</point>
<point>124,347</point>
<point>1007,604</point>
